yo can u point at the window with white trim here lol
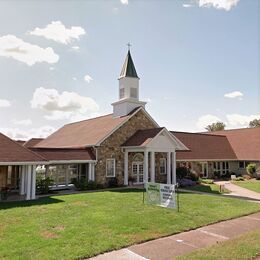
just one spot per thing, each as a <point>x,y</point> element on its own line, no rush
<point>243,164</point>
<point>225,168</point>
<point>162,165</point>
<point>110,168</point>
<point>217,168</point>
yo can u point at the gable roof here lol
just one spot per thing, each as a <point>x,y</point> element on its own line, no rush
<point>12,152</point>
<point>128,69</point>
<point>245,142</point>
<point>204,147</point>
<point>32,142</point>
<point>86,133</point>
<point>142,137</point>
<point>154,137</point>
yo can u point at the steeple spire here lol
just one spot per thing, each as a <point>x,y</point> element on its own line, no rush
<point>128,89</point>
<point>128,69</point>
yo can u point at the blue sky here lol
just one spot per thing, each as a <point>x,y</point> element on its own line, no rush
<point>198,61</point>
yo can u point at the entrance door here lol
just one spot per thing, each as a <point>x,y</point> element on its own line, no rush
<point>204,169</point>
<point>138,172</point>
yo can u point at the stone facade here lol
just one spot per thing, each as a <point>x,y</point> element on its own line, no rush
<point>111,147</point>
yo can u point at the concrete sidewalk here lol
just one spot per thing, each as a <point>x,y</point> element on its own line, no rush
<point>183,243</point>
<point>239,191</point>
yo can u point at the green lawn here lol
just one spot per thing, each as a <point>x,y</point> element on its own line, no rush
<point>210,188</point>
<point>246,246</point>
<point>86,224</point>
<point>253,185</point>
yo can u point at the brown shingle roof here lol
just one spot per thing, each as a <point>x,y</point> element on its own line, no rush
<point>204,147</point>
<point>142,137</point>
<point>32,142</point>
<point>12,152</point>
<point>21,142</point>
<point>245,142</point>
<point>84,133</point>
<point>65,154</point>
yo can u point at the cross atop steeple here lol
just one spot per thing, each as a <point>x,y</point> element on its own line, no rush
<point>128,69</point>
<point>129,46</point>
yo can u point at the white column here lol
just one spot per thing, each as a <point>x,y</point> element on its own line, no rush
<point>93,171</point>
<point>22,179</point>
<point>89,171</point>
<point>174,167</point>
<point>152,167</point>
<point>28,182</point>
<point>168,168</point>
<point>145,166</point>
<point>126,168</point>
<point>33,184</point>
<point>25,179</point>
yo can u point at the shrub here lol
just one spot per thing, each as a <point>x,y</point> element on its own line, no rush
<point>84,184</point>
<point>182,172</point>
<point>217,175</point>
<point>240,178</point>
<point>43,185</point>
<point>193,176</point>
<point>186,183</point>
<point>206,181</point>
<point>112,183</point>
<point>251,169</point>
<point>92,185</point>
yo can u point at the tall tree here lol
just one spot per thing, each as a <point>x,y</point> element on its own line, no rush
<point>218,126</point>
<point>254,123</point>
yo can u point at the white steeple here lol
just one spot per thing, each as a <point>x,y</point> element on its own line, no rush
<point>128,89</point>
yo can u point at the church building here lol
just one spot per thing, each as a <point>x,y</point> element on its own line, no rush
<point>127,146</point>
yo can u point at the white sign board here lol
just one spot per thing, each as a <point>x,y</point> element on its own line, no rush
<point>161,194</point>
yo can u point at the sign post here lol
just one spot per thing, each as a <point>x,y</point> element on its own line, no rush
<point>163,195</point>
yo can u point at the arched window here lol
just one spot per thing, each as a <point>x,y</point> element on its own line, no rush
<point>138,157</point>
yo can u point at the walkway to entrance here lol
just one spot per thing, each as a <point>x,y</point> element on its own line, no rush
<point>238,191</point>
<point>186,242</point>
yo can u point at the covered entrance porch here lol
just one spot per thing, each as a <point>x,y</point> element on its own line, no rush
<point>150,156</point>
<point>17,182</point>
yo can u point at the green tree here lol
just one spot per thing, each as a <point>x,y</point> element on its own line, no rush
<point>218,126</point>
<point>254,123</point>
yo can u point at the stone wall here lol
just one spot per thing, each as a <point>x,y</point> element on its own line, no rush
<point>111,147</point>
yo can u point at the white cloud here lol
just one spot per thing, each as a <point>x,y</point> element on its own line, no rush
<point>219,4</point>
<point>235,120</point>
<point>13,47</point>
<point>16,133</point>
<point>187,5</point>
<point>5,103</point>
<point>24,122</point>
<point>52,68</point>
<point>88,78</point>
<point>63,105</point>
<point>234,94</point>
<point>124,2</point>
<point>57,32</point>
<point>74,78</point>
<point>206,120</point>
<point>75,48</point>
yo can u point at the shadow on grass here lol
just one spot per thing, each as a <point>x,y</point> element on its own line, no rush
<point>127,190</point>
<point>29,203</point>
<point>203,188</point>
